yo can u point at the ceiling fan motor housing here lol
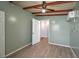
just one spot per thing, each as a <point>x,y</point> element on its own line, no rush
<point>44,5</point>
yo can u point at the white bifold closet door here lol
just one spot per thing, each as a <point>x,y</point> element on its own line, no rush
<point>2,34</point>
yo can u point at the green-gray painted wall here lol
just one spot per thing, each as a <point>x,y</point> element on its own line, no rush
<point>74,33</point>
<point>18,33</point>
<point>74,36</point>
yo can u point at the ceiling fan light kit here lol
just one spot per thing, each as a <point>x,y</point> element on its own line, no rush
<point>43,7</point>
<point>43,10</point>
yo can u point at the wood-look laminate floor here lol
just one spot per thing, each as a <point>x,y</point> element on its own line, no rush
<point>43,50</point>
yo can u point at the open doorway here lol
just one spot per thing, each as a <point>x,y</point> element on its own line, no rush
<point>39,31</point>
<point>44,25</point>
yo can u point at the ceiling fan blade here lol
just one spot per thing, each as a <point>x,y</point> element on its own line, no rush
<point>50,9</point>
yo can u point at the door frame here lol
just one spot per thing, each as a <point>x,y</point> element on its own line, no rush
<point>3,41</point>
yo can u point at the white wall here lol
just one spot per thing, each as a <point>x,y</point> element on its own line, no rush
<point>44,28</point>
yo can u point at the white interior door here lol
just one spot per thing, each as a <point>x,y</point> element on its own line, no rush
<point>35,31</point>
<point>2,34</point>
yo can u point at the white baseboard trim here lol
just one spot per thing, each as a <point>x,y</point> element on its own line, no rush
<point>18,49</point>
<point>59,44</point>
<point>65,46</point>
<point>73,53</point>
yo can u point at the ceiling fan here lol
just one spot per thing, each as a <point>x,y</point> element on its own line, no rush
<point>44,7</point>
